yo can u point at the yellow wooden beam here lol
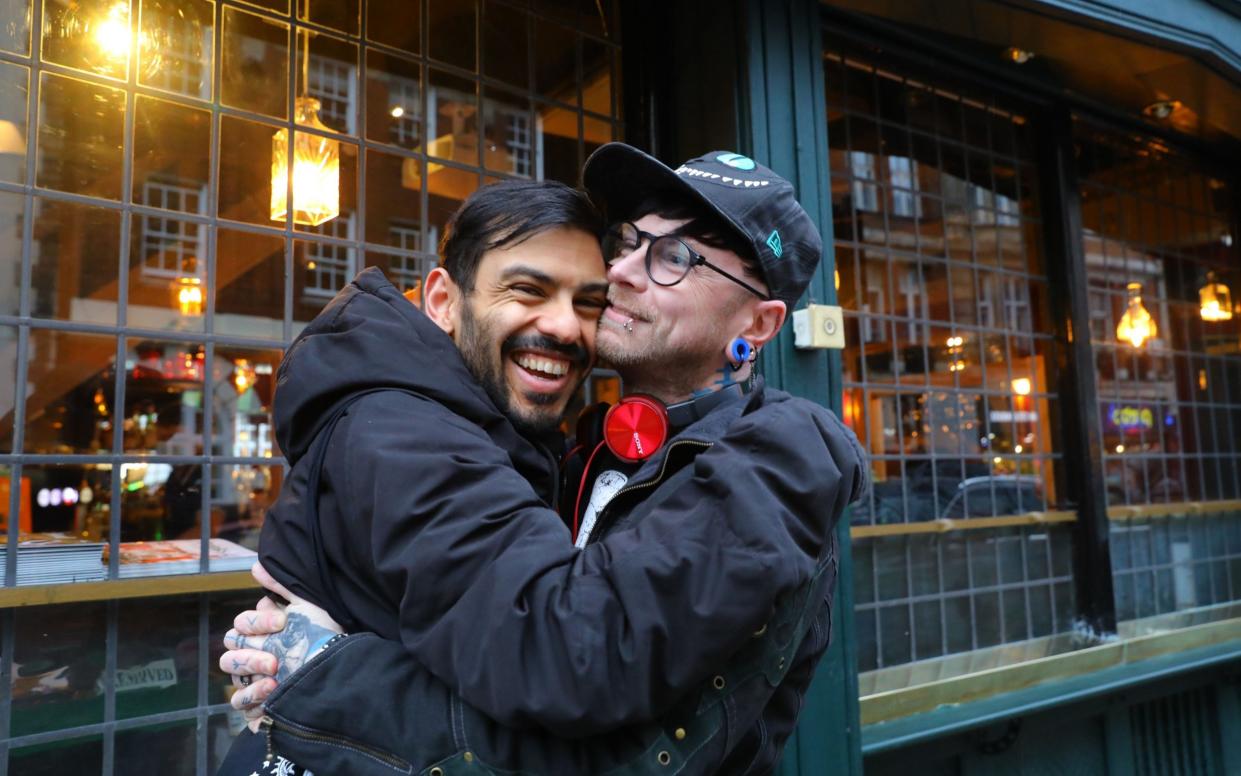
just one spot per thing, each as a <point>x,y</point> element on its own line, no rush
<point>1180,509</point>
<point>947,525</point>
<point>75,592</point>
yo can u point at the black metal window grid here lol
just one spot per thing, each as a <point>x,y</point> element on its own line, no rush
<point>948,365</point>
<point>1169,409</point>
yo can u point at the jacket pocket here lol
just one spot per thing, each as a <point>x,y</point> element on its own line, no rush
<point>330,752</point>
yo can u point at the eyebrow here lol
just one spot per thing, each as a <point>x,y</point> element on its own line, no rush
<point>539,276</point>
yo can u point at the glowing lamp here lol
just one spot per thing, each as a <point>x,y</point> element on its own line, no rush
<point>243,375</point>
<point>1021,386</point>
<point>188,291</point>
<point>316,170</point>
<point>1136,325</point>
<point>1215,300</point>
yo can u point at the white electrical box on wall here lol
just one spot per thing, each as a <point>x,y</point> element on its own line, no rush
<point>819,326</point>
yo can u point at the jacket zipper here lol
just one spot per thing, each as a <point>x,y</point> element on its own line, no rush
<point>268,723</point>
<point>602,524</point>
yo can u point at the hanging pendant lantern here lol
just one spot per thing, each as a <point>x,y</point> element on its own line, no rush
<point>316,170</point>
<point>188,291</point>
<point>1136,325</point>
<point>1215,300</point>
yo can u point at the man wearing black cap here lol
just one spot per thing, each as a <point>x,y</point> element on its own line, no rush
<point>704,262</point>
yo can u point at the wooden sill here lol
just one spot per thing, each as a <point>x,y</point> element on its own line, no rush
<point>74,592</point>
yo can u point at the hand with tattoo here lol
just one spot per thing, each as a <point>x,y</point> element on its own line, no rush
<point>270,642</point>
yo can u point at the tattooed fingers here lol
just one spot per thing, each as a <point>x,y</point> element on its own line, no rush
<point>253,696</point>
<point>260,622</point>
<point>244,662</point>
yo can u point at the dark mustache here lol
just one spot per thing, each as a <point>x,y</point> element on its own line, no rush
<point>575,353</point>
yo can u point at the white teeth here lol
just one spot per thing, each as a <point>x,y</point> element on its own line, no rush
<point>544,365</point>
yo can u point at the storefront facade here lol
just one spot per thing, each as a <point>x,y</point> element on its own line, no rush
<point>1006,189</point>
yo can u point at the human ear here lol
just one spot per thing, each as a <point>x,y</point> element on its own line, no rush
<point>441,300</point>
<point>764,322</point>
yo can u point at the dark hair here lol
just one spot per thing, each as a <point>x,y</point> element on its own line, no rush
<point>703,225</point>
<point>504,214</point>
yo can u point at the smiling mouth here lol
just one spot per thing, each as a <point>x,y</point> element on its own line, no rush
<point>542,366</point>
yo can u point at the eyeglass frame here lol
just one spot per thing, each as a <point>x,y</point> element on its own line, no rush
<point>696,259</point>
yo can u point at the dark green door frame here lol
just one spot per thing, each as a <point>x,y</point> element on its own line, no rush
<point>783,123</point>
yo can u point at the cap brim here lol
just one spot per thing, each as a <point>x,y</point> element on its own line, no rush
<point>618,177</point>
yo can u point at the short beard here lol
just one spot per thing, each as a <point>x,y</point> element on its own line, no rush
<point>475,347</point>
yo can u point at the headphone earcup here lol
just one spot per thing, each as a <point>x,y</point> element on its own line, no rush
<point>636,428</point>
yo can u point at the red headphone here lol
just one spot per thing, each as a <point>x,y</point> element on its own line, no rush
<point>636,428</point>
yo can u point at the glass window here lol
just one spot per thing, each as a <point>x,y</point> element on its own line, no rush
<point>151,279</point>
<point>1165,323</point>
<point>946,378</point>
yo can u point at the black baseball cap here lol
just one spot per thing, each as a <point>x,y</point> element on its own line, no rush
<point>760,205</point>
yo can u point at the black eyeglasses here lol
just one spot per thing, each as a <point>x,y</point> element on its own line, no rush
<point>668,258</point>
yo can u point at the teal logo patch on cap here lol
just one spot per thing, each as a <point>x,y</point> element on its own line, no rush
<point>774,242</point>
<point>736,161</point>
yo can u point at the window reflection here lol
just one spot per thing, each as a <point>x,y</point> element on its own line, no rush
<point>57,668</point>
<point>255,64</point>
<point>171,155</point>
<point>69,399</point>
<point>177,42</point>
<point>160,501</point>
<point>80,128</point>
<point>14,81</point>
<point>250,283</point>
<point>163,397</point>
<point>240,496</point>
<point>243,383</point>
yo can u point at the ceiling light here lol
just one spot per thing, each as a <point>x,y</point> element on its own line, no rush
<point>1017,55</point>
<point>1161,109</point>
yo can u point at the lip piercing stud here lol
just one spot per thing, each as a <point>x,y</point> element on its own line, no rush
<point>629,325</point>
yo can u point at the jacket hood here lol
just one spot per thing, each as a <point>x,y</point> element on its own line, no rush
<point>370,337</point>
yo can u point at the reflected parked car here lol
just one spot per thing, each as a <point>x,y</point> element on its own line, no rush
<point>1005,494</point>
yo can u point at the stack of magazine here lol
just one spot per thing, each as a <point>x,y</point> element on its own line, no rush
<point>52,558</point>
<point>180,556</point>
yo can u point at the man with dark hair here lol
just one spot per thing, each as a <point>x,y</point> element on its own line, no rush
<point>686,625</point>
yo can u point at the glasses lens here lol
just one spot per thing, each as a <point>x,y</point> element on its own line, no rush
<point>670,260</point>
<point>619,242</point>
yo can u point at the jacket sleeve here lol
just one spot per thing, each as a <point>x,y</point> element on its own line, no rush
<point>495,601</point>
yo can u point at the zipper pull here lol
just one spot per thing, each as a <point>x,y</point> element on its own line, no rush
<point>266,723</point>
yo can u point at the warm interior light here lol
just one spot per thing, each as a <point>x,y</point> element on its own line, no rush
<point>397,111</point>
<point>1216,300</point>
<point>111,34</point>
<point>1017,55</point>
<point>1161,109</point>
<point>1136,325</point>
<point>1021,386</point>
<point>316,170</point>
<point>243,375</point>
<point>189,294</point>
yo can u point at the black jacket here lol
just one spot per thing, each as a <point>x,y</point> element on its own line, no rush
<point>434,537</point>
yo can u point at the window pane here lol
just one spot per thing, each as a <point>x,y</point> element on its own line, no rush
<point>246,172</point>
<point>506,47</point>
<point>558,144</point>
<point>69,403</point>
<point>163,397</point>
<point>162,749</point>
<point>394,100</point>
<point>394,201</point>
<point>171,155</point>
<point>74,267</point>
<point>452,123</point>
<point>167,274</point>
<point>11,220</point>
<point>57,671</point>
<point>14,81</point>
<point>320,270</point>
<point>156,671</point>
<point>250,279</point>
<point>176,42</point>
<point>80,129</point>
<point>340,15</point>
<point>240,496</point>
<point>15,34</point>
<point>597,64</point>
<point>333,74</point>
<point>243,380</point>
<point>555,63</point>
<point>509,134</point>
<point>256,64</point>
<point>452,32</point>
<point>395,23</point>
<point>90,35</point>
